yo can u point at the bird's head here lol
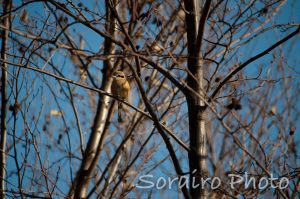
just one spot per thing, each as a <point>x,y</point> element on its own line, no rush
<point>119,74</point>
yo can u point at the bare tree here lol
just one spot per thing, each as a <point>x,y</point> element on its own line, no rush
<point>214,95</point>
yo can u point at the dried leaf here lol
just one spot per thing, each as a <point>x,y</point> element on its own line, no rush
<point>24,17</point>
<point>54,112</point>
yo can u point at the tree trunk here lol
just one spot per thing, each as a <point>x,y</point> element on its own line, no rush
<point>196,105</point>
<point>81,183</point>
<point>6,23</point>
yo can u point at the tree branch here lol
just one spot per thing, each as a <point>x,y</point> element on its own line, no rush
<point>252,59</point>
<point>202,25</point>
<point>180,142</point>
<point>160,130</point>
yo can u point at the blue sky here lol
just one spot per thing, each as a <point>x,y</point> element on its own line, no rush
<point>288,13</point>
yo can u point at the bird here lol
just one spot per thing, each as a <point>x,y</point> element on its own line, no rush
<point>120,87</point>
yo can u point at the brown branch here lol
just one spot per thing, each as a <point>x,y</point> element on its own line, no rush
<point>87,24</point>
<point>165,72</point>
<point>252,59</point>
<point>128,39</point>
<point>160,130</point>
<point>202,26</point>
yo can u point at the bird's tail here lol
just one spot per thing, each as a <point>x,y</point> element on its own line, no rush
<point>120,106</point>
